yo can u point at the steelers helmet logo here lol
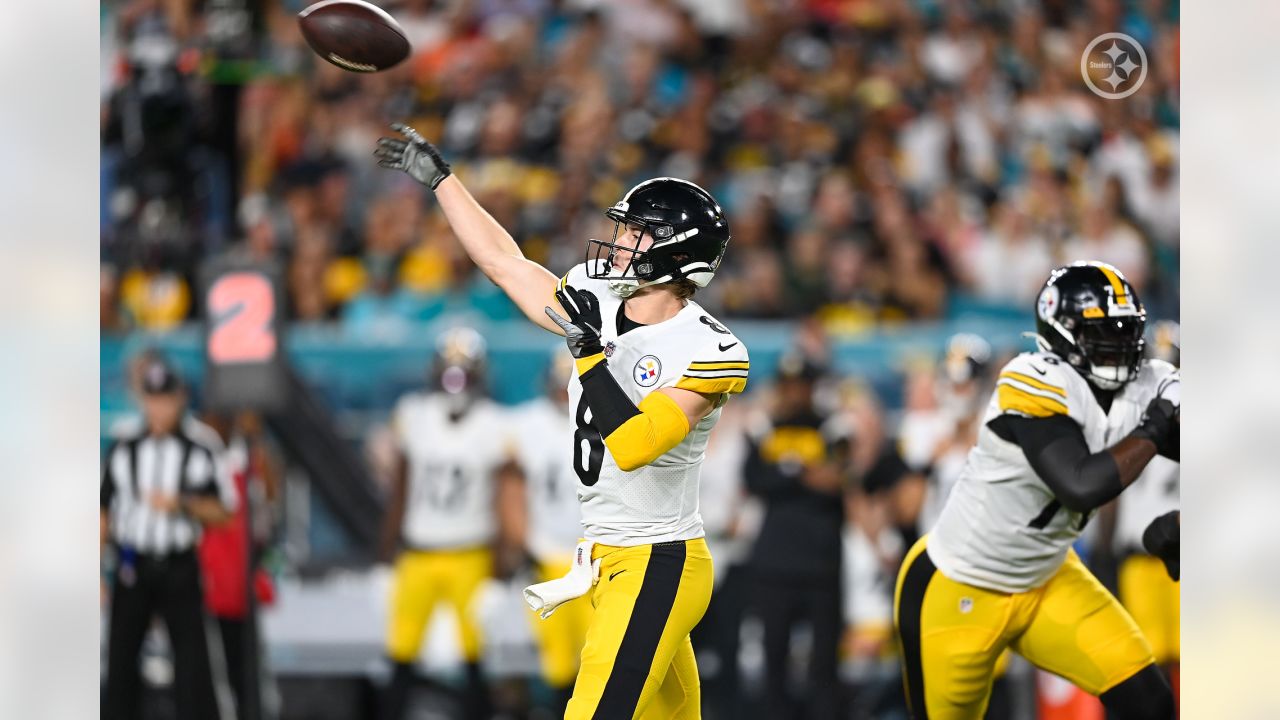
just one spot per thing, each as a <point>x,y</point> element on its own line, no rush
<point>1047,304</point>
<point>646,371</point>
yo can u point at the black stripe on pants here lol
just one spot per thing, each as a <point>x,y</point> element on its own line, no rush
<point>910,605</point>
<point>653,606</point>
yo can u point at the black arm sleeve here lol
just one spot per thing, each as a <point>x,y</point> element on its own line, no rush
<point>1056,448</point>
<point>610,406</point>
<point>1172,447</point>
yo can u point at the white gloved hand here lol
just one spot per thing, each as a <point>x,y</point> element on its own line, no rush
<point>545,597</point>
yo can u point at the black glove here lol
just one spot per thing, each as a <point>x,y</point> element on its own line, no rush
<point>1160,426</point>
<point>582,329</point>
<point>1161,538</point>
<point>417,157</point>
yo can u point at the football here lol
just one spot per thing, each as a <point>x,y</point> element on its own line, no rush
<point>354,35</point>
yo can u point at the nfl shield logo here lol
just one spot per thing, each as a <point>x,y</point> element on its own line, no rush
<point>609,347</point>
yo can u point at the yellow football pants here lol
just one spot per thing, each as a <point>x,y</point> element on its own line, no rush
<point>1154,601</point>
<point>425,578</point>
<point>952,633</point>
<point>638,661</point>
<point>561,636</point>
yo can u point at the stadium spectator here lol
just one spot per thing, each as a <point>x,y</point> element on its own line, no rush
<point>925,116</point>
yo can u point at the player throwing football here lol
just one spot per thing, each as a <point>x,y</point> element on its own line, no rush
<point>1066,430</point>
<point>653,370</point>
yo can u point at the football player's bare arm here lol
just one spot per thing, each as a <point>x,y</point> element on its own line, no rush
<point>490,246</point>
<point>1084,481</point>
<point>208,510</point>
<point>394,515</point>
<point>529,285</point>
<point>694,405</point>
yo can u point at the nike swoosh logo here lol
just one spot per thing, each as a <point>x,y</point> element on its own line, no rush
<point>726,347</point>
<point>1042,372</point>
<point>616,574</point>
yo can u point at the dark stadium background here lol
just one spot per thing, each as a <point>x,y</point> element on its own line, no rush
<point>894,171</point>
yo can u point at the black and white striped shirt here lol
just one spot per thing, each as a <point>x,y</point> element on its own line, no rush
<point>188,462</point>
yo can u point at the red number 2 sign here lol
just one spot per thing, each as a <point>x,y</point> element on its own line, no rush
<point>242,306</point>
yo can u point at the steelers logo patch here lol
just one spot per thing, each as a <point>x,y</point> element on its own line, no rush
<point>1047,305</point>
<point>646,371</point>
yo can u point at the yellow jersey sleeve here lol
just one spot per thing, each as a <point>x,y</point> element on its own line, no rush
<point>1033,386</point>
<point>719,368</point>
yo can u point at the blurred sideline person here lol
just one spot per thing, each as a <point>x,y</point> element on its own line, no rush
<point>795,468</point>
<point>653,371</point>
<point>545,518</point>
<point>229,557</point>
<point>1068,428</point>
<point>161,483</point>
<point>442,512</point>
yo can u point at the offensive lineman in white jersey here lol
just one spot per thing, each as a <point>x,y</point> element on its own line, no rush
<point>1067,429</point>
<point>653,371</point>
<point>442,512</point>
<point>552,519</point>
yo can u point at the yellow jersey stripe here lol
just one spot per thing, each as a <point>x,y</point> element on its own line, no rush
<point>712,386</point>
<point>723,365</point>
<point>1015,399</point>
<point>1117,287</point>
<point>1033,382</point>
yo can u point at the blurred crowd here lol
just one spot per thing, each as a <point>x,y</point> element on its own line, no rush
<point>879,160</point>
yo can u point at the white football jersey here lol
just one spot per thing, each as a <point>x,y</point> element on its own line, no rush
<point>543,436</point>
<point>1153,494</point>
<point>658,502</point>
<point>1002,528</point>
<point>451,465</point>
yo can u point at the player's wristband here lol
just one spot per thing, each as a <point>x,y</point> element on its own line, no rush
<point>586,363</point>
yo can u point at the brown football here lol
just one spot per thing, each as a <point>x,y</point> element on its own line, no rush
<point>354,35</point>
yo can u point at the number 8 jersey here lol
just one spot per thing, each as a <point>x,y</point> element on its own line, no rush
<point>658,502</point>
<point>1002,528</point>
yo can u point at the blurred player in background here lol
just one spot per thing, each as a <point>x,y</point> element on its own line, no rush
<point>730,521</point>
<point>1145,589</point>
<point>653,371</point>
<point>935,439</point>
<point>442,511</point>
<point>795,466</point>
<point>548,521</point>
<point>1068,428</point>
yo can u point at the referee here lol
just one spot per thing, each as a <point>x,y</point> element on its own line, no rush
<point>161,482</point>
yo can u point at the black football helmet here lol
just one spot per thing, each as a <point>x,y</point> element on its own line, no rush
<point>968,357</point>
<point>689,230</point>
<point>1089,315</point>
<point>459,367</point>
